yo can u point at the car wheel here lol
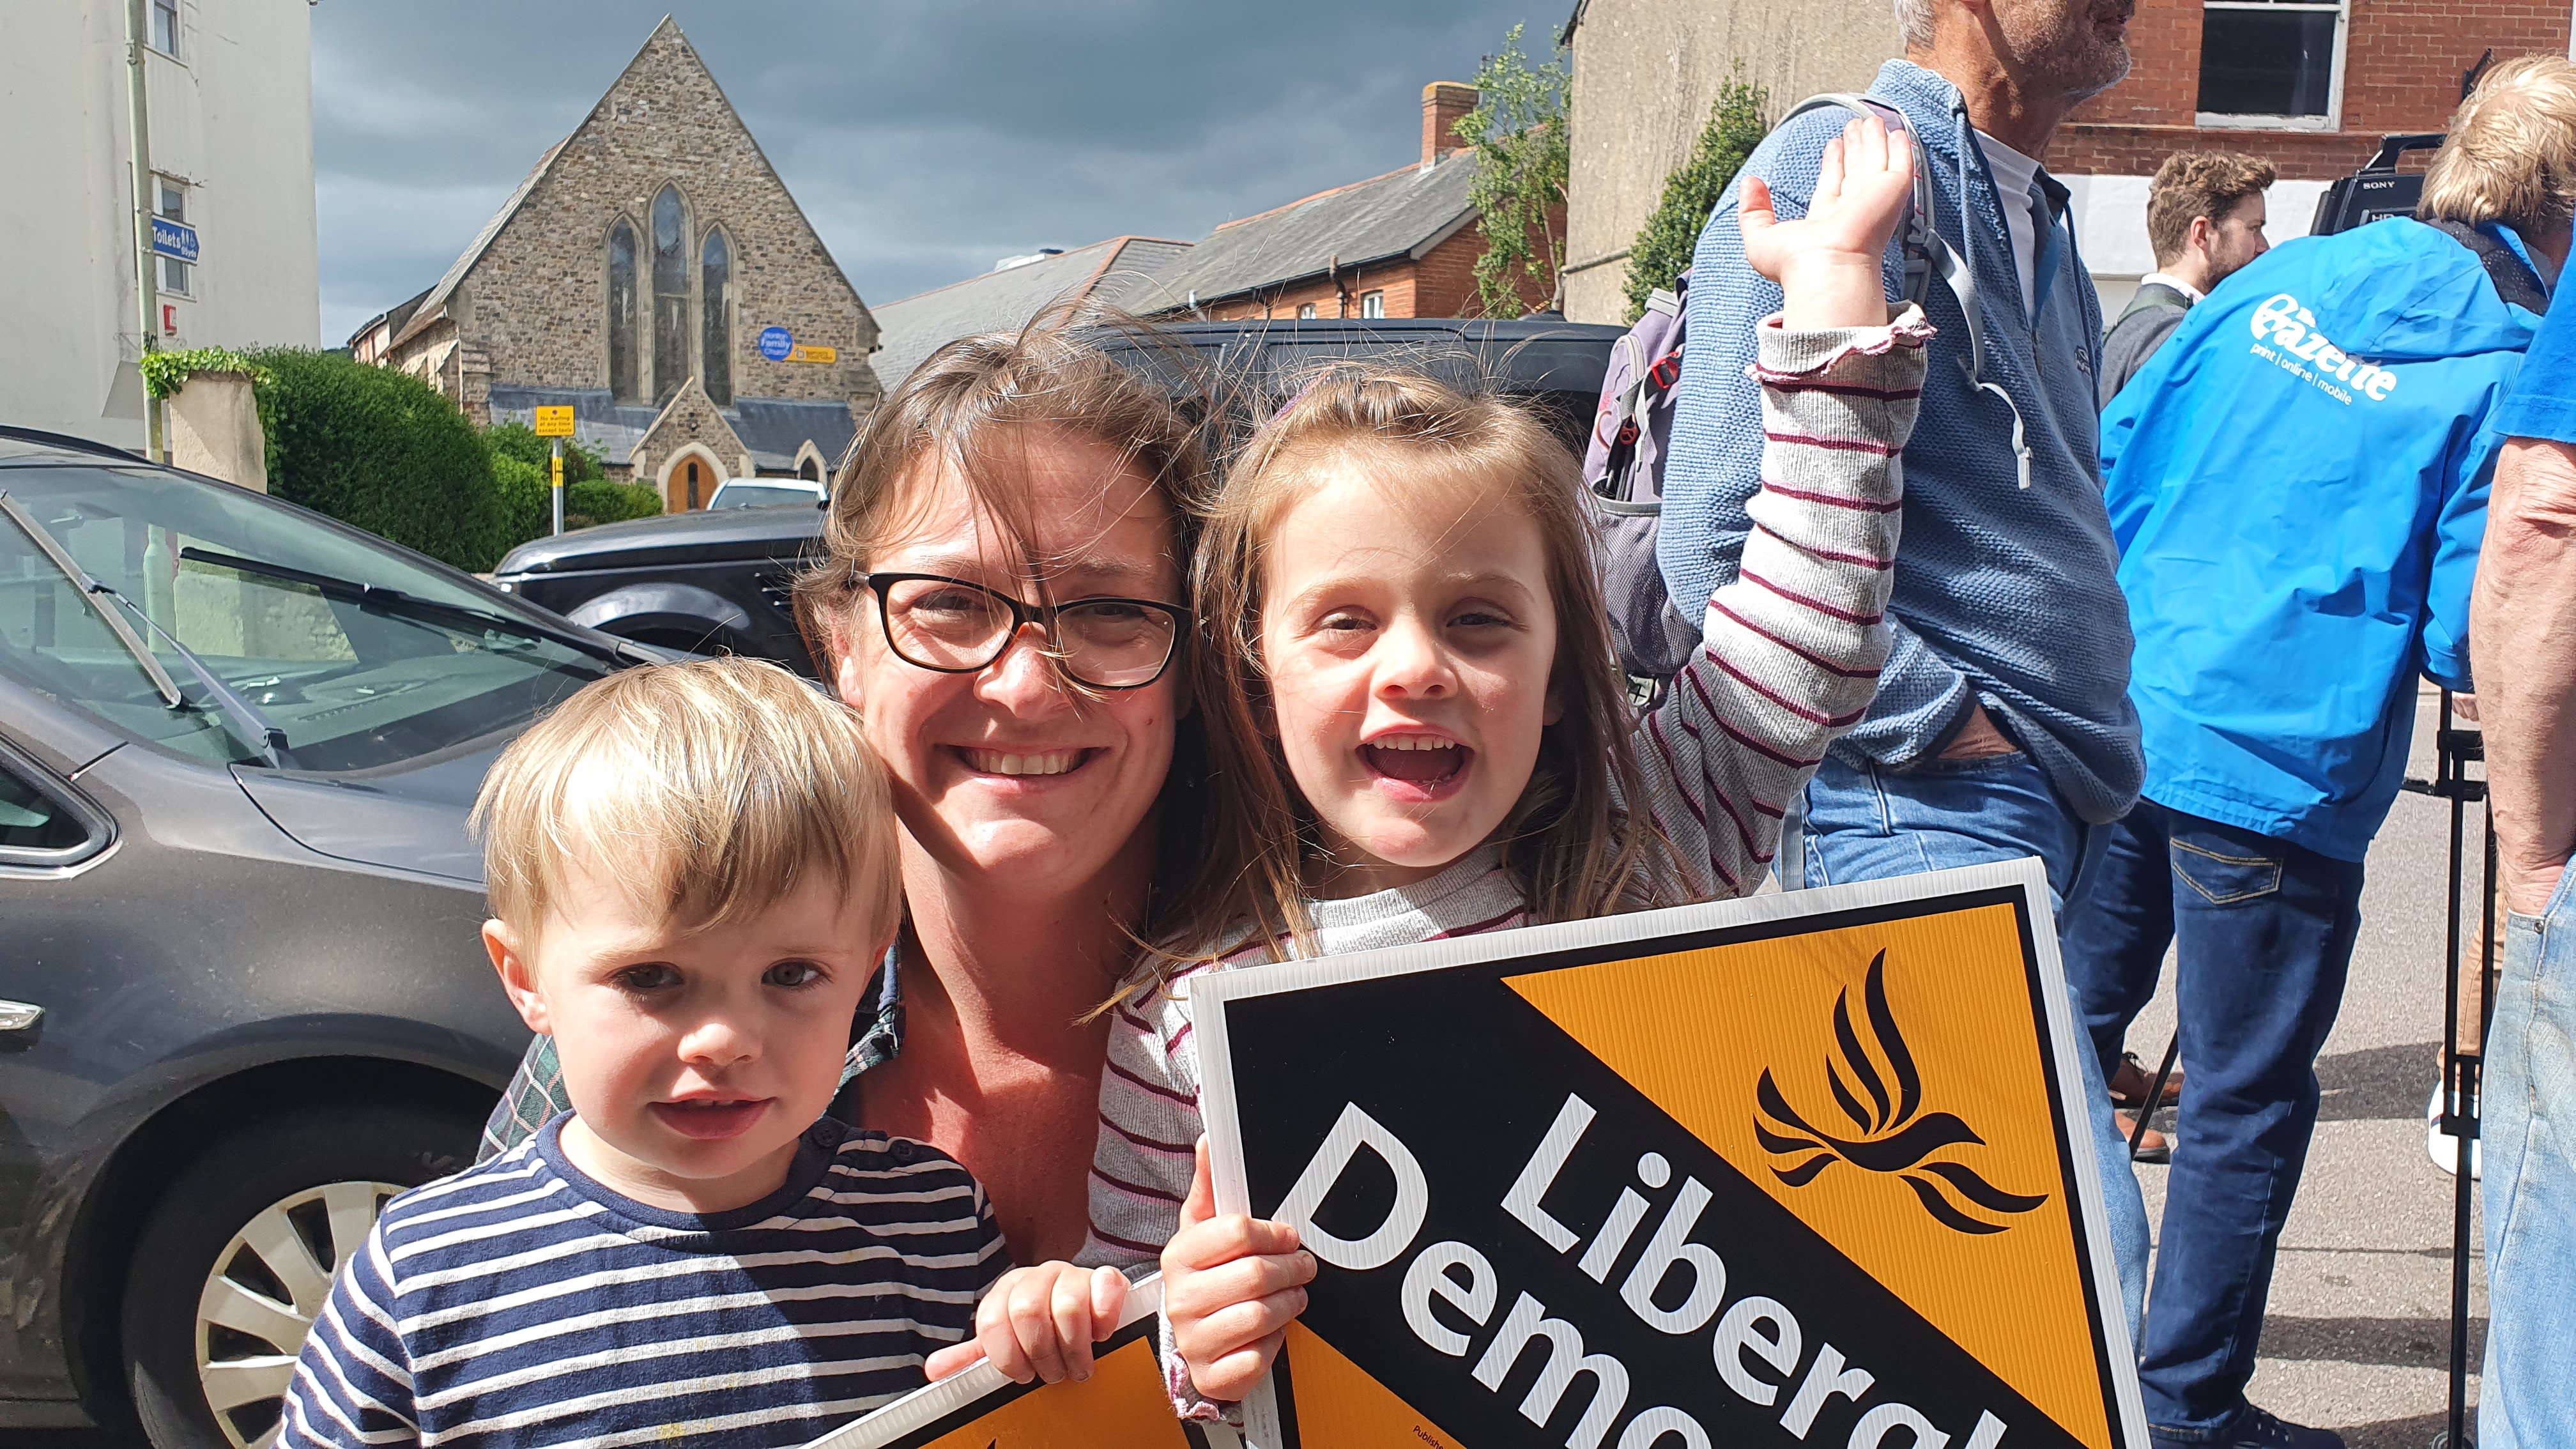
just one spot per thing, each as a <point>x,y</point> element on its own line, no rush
<point>239,1257</point>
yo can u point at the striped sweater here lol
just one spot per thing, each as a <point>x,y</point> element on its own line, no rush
<point>521,1303</point>
<point>1790,660</point>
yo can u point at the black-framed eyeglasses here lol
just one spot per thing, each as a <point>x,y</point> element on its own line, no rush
<point>955,627</point>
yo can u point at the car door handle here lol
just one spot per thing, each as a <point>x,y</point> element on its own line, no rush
<point>19,1016</point>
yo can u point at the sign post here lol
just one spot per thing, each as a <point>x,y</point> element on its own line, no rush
<point>1793,1171</point>
<point>556,423</point>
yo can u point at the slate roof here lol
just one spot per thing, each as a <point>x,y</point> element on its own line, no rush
<point>1121,272</point>
<point>773,428</point>
<point>391,320</point>
<point>433,305</point>
<point>1401,214</point>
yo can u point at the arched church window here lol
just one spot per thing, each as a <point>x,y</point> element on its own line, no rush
<point>715,327</point>
<point>622,383</point>
<point>670,294</point>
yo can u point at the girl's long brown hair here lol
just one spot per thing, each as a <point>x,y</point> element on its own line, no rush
<point>1572,848</point>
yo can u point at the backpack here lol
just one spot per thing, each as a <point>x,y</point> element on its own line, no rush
<point>1632,426</point>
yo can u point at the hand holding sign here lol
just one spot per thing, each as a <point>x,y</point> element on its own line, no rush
<point>1040,1323</point>
<point>1231,1286</point>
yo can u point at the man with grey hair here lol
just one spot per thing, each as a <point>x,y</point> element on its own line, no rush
<point>2002,726</point>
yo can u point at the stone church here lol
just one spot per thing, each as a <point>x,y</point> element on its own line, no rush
<point>653,273</point>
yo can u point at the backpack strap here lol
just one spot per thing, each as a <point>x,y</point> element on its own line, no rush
<point>2514,282</point>
<point>1926,253</point>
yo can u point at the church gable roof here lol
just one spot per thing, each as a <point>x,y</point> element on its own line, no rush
<point>666,35</point>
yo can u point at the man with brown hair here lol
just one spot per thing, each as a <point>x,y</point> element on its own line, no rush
<point>2205,219</point>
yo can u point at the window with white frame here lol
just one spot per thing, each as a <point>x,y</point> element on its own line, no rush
<point>2272,62</point>
<point>1305,311</point>
<point>1372,304</point>
<point>165,27</point>
<point>170,202</point>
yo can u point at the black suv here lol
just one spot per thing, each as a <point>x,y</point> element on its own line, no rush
<point>242,995</point>
<point>719,580</point>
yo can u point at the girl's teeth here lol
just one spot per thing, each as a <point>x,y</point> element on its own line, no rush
<point>993,763</point>
<point>1404,742</point>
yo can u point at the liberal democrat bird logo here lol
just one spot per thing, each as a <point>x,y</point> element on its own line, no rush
<point>1893,1138</point>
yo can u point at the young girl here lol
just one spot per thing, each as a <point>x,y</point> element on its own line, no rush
<point>1427,734</point>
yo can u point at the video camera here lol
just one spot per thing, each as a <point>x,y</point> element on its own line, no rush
<point>2377,189</point>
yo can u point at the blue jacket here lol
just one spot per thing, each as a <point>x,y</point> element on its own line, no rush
<point>2298,481</point>
<point>2004,595</point>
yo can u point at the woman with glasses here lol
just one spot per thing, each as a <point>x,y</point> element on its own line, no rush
<point>1003,599</point>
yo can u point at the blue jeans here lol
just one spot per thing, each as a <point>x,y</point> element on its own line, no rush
<point>2265,931</point>
<point>1869,823</point>
<point>2528,1126</point>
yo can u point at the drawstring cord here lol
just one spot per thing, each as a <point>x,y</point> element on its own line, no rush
<point>1975,365</point>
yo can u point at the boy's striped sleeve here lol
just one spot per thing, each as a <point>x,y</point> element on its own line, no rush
<point>353,1383</point>
<point>1794,643</point>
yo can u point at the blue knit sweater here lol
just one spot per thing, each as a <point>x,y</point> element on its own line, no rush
<point>2004,596</point>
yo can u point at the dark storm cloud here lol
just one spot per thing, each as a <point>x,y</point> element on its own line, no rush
<point>924,140</point>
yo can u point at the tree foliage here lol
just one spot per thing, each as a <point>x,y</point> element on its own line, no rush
<point>383,451</point>
<point>518,440</point>
<point>1519,134</point>
<point>1662,251</point>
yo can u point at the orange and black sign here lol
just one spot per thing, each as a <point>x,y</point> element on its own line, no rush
<point>1123,1403</point>
<point>1802,1170</point>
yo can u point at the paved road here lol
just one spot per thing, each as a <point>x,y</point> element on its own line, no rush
<point>2358,1337</point>
<point>2358,1333</point>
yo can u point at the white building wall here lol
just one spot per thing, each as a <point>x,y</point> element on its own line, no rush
<point>2110,215</point>
<point>231,117</point>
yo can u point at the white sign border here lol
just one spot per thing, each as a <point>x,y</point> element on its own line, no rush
<point>1218,1107</point>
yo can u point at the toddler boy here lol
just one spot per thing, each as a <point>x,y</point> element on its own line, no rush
<point>693,876</point>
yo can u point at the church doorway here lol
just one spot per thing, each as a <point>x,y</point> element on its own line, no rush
<point>689,480</point>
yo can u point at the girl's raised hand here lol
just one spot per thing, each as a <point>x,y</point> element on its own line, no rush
<point>1827,263</point>
<point>1231,1286</point>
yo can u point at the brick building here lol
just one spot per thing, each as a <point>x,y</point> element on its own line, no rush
<point>632,276</point>
<point>1403,244</point>
<point>2310,84</point>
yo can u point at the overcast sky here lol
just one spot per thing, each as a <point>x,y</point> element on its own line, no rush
<point>925,140</point>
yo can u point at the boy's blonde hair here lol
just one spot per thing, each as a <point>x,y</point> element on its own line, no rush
<point>1571,847</point>
<point>711,789</point>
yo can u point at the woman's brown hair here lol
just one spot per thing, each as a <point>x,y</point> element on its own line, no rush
<point>972,405</point>
<point>1571,846</point>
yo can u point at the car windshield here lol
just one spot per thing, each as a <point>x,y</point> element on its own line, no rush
<point>760,495</point>
<point>349,687</point>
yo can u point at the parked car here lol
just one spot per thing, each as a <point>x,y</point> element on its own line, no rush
<point>242,998</point>
<point>719,581</point>
<point>766,493</point>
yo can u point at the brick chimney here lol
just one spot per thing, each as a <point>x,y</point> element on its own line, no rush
<point>1443,103</point>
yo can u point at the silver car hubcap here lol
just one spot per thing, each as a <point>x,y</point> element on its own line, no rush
<point>266,1288</point>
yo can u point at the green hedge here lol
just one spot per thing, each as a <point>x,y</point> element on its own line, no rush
<point>599,501</point>
<point>530,512</point>
<point>518,440</point>
<point>383,451</point>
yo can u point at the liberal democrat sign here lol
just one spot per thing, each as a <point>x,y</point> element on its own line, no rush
<point>1807,1169</point>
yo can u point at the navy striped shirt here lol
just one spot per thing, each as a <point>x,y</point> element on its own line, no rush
<point>519,1302</point>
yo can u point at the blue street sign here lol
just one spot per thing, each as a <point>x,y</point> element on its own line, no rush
<point>174,239</point>
<point>775,343</point>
